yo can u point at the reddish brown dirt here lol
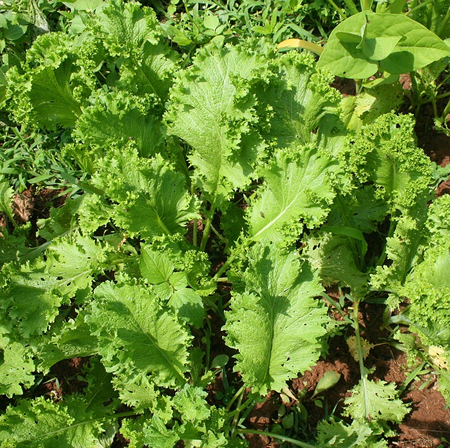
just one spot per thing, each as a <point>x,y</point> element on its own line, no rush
<point>428,422</point>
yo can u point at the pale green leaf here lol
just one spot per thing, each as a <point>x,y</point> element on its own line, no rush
<point>299,98</point>
<point>126,27</point>
<point>393,43</point>
<point>84,5</point>
<point>30,297</point>
<point>335,259</point>
<point>156,267</point>
<point>296,189</point>
<point>211,110</point>
<point>327,381</point>
<point>189,305</point>
<point>153,74</point>
<point>115,117</point>
<point>375,401</point>
<point>74,260</point>
<point>151,197</point>
<point>67,340</point>
<point>138,338</point>
<point>385,153</point>
<point>17,367</point>
<point>338,434</point>
<point>43,424</point>
<point>6,196</point>
<point>275,323</point>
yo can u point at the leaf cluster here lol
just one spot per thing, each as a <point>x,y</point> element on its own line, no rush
<point>217,195</point>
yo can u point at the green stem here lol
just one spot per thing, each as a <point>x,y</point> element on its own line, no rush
<point>366,5</point>
<point>340,11</point>
<point>207,228</point>
<point>351,6</point>
<point>337,307</point>
<point>186,7</point>
<point>230,260</point>
<point>241,407</point>
<point>237,411</point>
<point>416,8</point>
<point>276,436</point>
<point>362,368</point>
<point>383,255</point>
<point>163,226</point>
<point>236,396</point>
<point>216,232</point>
<point>194,233</point>
<point>442,95</point>
<point>444,23</point>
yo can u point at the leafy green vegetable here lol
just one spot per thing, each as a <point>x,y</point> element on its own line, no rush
<point>214,194</point>
<point>211,109</point>
<point>141,342</point>
<point>297,190</point>
<point>151,198</point>
<point>277,302</point>
<point>367,42</point>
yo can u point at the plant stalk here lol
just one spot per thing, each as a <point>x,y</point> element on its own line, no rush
<point>207,228</point>
<point>362,368</point>
<point>276,436</point>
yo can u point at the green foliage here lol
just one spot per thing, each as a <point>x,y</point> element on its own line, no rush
<point>278,304</point>
<point>215,194</point>
<point>368,42</point>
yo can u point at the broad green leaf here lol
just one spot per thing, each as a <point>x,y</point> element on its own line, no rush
<point>340,434</point>
<point>296,189</point>
<point>156,434</point>
<point>17,367</point>
<point>39,423</point>
<point>6,196</point>
<point>138,338</point>
<point>211,109</point>
<point>115,117</point>
<point>52,89</point>
<point>52,98</point>
<point>375,401</point>
<point>126,27</point>
<point>336,259</point>
<point>84,5</point>
<point>328,380</point>
<point>30,297</point>
<point>367,106</point>
<point>274,322</point>
<point>67,340</point>
<point>151,197</point>
<point>444,384</point>
<point>404,250</point>
<point>300,97</point>
<point>189,305</point>
<point>74,260</point>
<point>385,153</point>
<point>427,284</point>
<point>381,47</point>
<point>153,73</point>
<point>100,396</point>
<point>393,43</point>
<point>61,219</point>
<point>359,209</point>
<point>156,267</point>
<point>171,286</point>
